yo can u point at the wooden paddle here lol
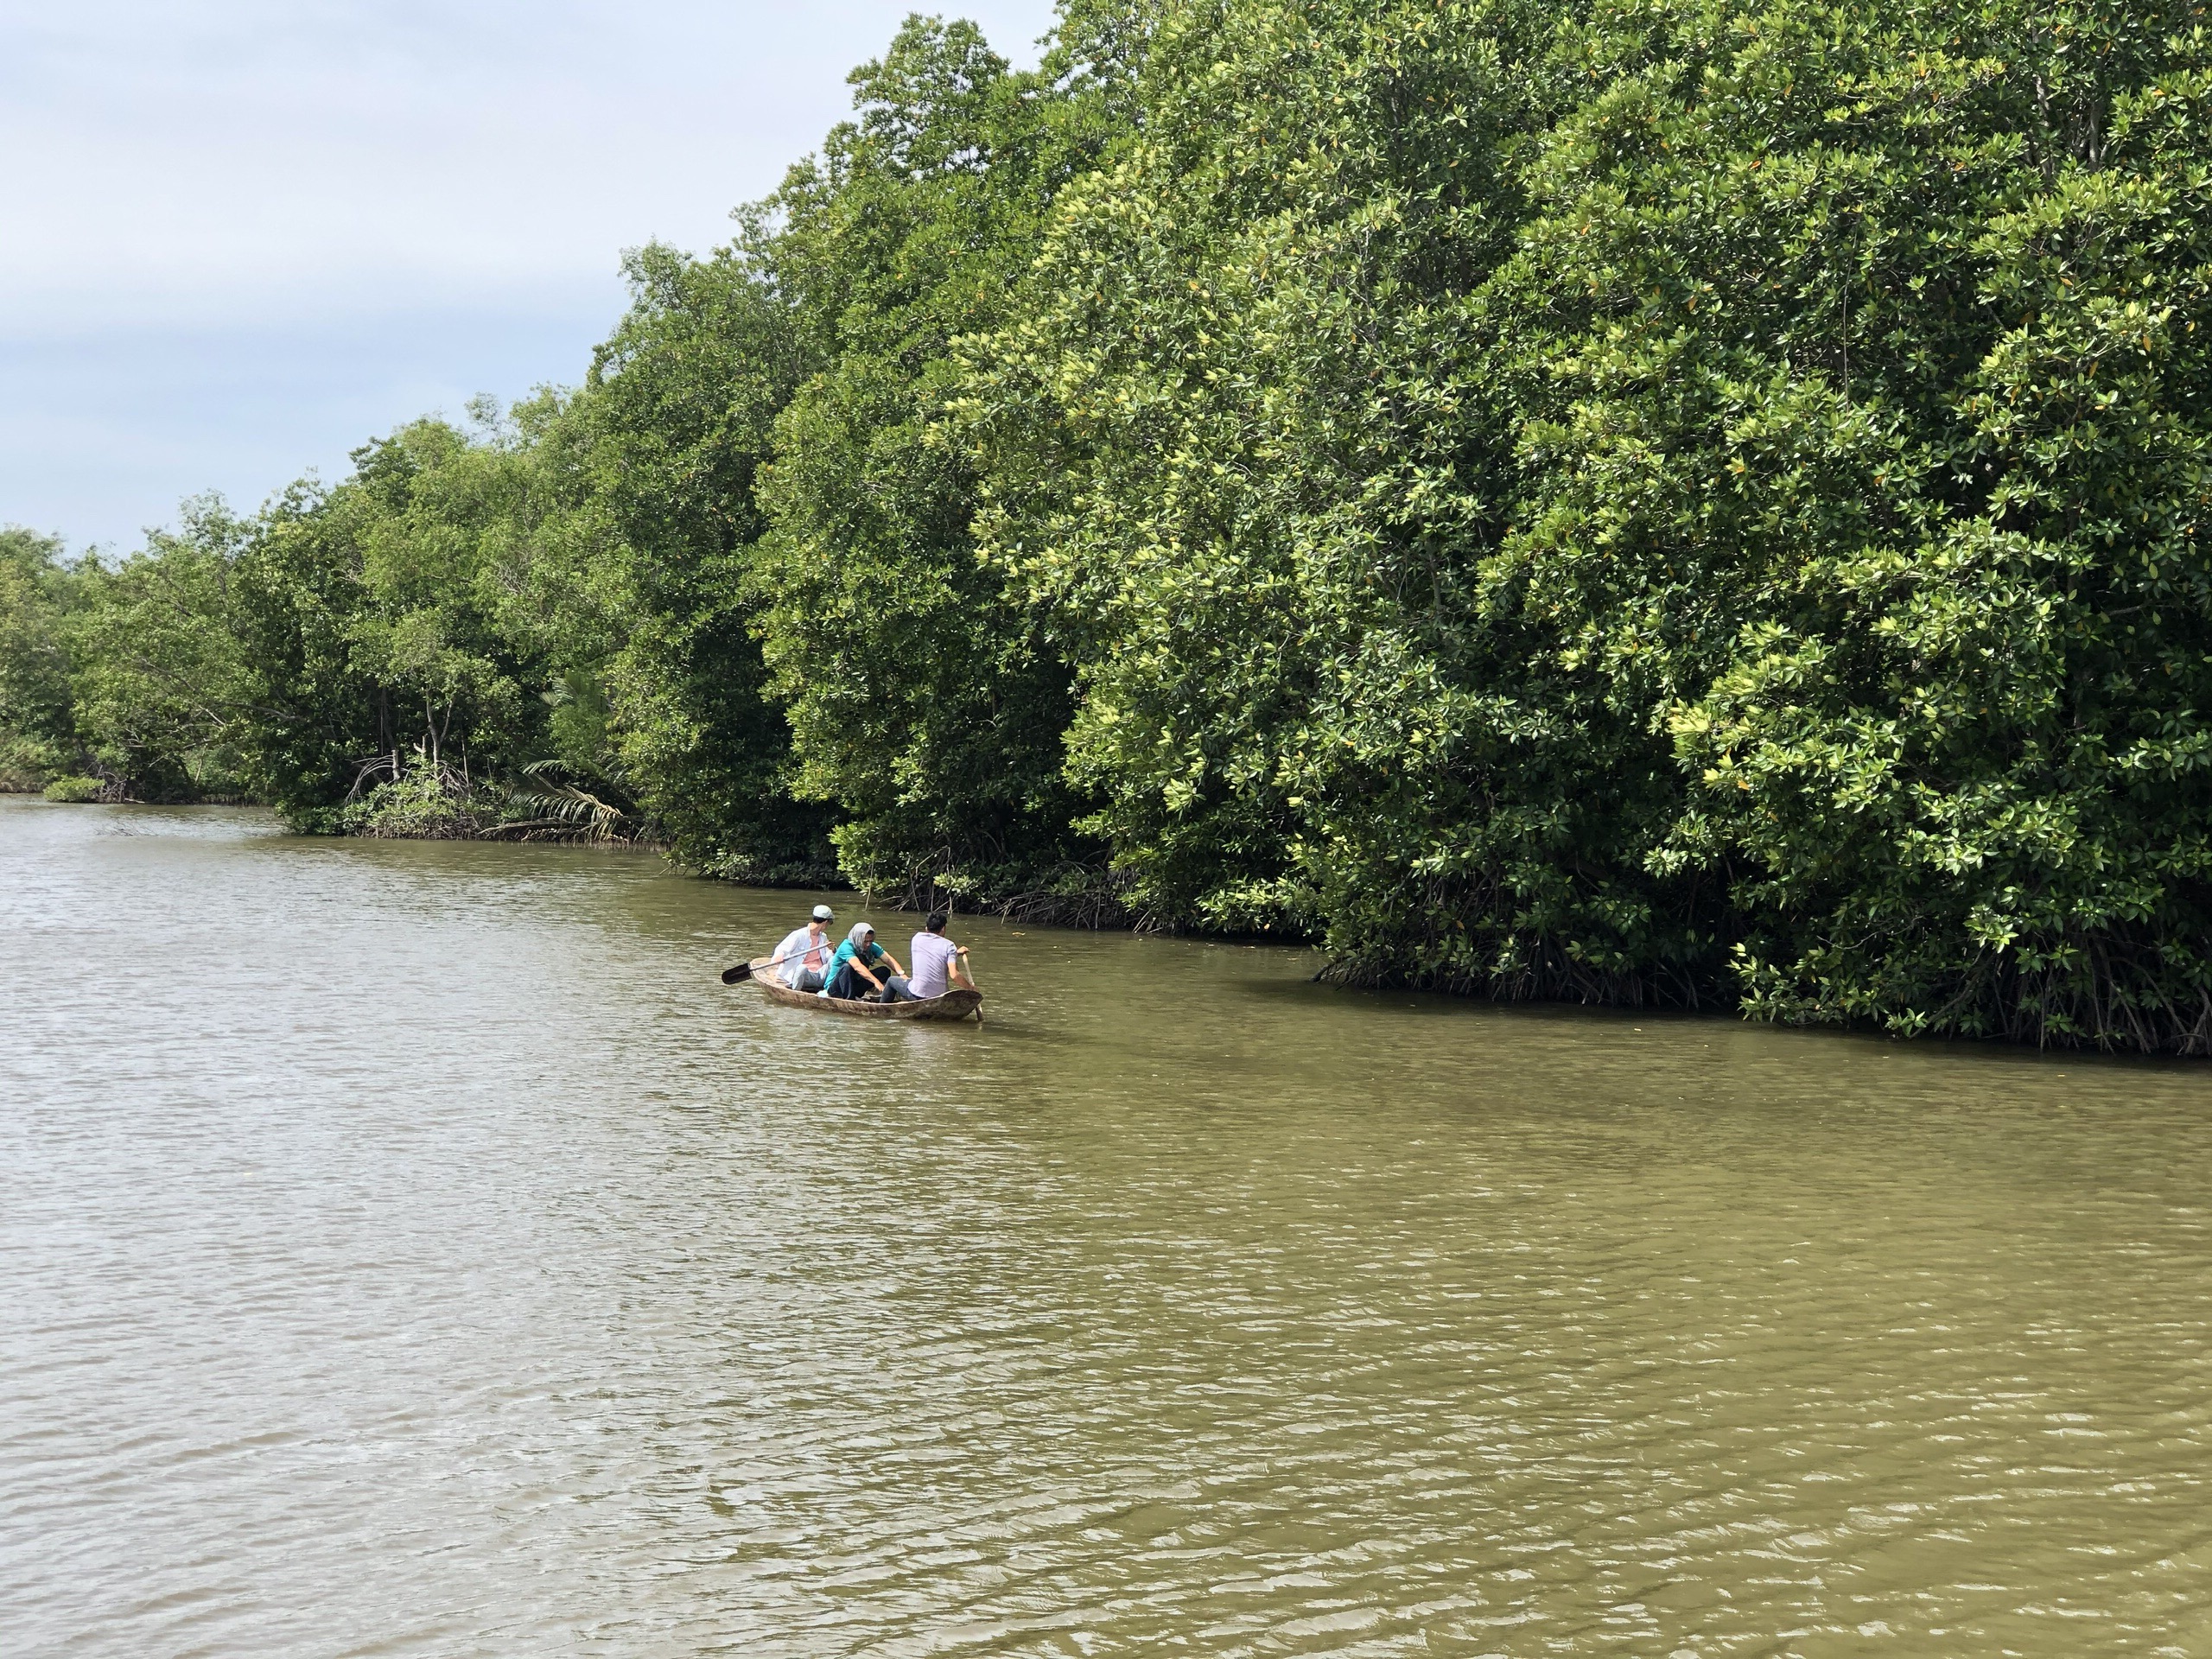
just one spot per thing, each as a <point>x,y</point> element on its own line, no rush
<point>743,971</point>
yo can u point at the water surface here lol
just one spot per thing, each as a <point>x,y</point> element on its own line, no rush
<point>412,1249</point>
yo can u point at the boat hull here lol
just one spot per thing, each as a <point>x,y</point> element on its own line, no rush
<point>953,1005</point>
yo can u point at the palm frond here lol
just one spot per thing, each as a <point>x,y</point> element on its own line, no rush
<point>561,812</point>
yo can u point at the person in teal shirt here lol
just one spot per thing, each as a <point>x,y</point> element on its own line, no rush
<point>854,964</point>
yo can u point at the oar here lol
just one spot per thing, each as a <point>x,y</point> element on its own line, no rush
<point>972,985</point>
<point>743,971</point>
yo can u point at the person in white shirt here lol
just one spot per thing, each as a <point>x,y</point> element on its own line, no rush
<point>940,963</point>
<point>805,952</point>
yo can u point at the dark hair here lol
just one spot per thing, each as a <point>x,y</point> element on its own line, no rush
<point>936,923</point>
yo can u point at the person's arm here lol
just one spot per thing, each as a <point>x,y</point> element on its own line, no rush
<point>861,966</point>
<point>956,969</point>
<point>895,967</point>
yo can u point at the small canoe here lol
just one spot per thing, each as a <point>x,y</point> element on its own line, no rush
<point>953,1005</point>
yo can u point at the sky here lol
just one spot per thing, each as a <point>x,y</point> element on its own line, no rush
<point>240,238</point>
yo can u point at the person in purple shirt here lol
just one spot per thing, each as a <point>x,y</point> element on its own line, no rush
<point>940,963</point>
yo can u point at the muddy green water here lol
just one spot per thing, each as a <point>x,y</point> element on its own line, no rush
<point>413,1249</point>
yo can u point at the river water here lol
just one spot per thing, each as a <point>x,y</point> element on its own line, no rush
<point>412,1248</point>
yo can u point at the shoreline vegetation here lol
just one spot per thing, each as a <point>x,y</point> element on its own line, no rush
<point>1682,505</point>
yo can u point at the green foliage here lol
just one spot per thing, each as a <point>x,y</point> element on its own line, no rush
<point>1692,500</point>
<point>314,724</point>
<point>1941,410</point>
<point>922,702</point>
<point>639,560</point>
<point>374,622</point>
<point>75,789</point>
<point>122,674</point>
<point>156,667</point>
<point>546,807</point>
<point>38,732</point>
<point>1695,502</point>
<point>426,802</point>
<point>1237,471</point>
<point>1860,442</point>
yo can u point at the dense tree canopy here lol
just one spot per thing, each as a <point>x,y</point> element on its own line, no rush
<point>923,703</point>
<point>1690,503</point>
<point>38,728</point>
<point>639,563</point>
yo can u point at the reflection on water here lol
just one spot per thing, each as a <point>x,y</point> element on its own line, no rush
<point>412,1248</point>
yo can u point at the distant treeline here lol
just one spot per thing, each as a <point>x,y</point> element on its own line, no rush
<point>1686,504</point>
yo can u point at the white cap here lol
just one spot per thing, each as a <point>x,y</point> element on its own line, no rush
<point>823,914</point>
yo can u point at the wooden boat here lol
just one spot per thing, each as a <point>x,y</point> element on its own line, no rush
<point>953,1005</point>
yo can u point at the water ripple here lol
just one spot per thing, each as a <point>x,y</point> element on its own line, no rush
<point>412,1249</point>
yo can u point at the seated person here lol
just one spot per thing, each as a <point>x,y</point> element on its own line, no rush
<point>854,965</point>
<point>940,963</point>
<point>805,952</point>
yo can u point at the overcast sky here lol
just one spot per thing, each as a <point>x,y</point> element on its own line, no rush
<point>241,237</point>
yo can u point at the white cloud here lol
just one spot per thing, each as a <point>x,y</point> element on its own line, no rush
<point>294,193</point>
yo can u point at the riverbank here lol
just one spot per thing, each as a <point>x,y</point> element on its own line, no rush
<point>1076,897</point>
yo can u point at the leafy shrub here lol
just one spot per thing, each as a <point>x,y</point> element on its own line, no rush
<point>426,802</point>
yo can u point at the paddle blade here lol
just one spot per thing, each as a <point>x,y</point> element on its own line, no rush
<point>738,975</point>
